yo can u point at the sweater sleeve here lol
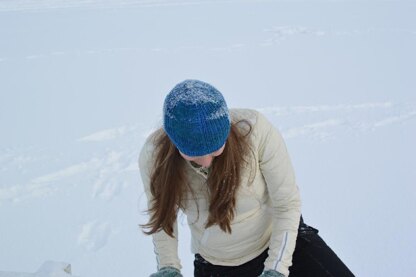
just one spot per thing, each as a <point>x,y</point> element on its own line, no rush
<point>165,247</point>
<point>277,170</point>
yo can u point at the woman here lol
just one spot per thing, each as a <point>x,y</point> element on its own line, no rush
<point>229,171</point>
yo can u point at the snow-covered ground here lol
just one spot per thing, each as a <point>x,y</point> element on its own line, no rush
<point>82,84</point>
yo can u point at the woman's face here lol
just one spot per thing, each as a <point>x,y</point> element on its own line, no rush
<point>204,161</point>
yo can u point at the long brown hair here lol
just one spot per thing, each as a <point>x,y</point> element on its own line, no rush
<point>168,183</point>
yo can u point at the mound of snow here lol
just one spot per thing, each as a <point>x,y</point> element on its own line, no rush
<point>48,269</point>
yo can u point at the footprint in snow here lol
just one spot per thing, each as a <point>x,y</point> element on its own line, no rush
<point>94,235</point>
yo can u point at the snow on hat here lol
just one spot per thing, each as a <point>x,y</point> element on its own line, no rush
<point>196,118</point>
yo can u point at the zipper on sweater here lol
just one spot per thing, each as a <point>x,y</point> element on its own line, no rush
<point>203,171</point>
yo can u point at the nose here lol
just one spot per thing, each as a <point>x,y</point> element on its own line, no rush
<point>204,161</point>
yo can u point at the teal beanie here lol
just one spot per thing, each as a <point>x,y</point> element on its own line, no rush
<point>196,118</point>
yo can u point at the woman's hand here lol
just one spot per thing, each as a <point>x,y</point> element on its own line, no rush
<point>168,271</point>
<point>271,273</point>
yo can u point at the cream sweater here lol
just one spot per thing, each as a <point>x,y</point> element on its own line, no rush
<point>267,207</point>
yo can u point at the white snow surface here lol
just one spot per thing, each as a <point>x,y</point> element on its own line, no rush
<point>82,84</point>
<point>48,269</point>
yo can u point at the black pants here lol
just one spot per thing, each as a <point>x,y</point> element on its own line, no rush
<point>312,258</point>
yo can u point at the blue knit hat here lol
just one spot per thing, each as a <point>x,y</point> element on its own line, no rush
<point>196,118</point>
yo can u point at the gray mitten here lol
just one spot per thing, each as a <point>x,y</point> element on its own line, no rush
<point>271,273</point>
<point>167,271</point>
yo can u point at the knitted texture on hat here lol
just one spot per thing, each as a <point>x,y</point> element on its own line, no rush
<point>196,118</point>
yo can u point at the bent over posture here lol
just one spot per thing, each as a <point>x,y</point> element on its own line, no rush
<point>229,171</point>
